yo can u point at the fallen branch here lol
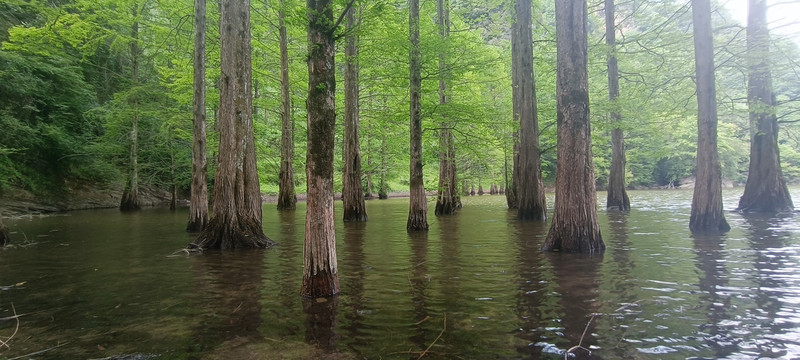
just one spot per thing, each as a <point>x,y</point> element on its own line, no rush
<point>444,327</point>
<point>580,342</point>
<point>38,352</point>
<point>16,328</point>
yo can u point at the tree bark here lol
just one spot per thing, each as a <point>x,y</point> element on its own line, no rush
<point>5,237</point>
<point>130,196</point>
<point>418,203</point>
<point>765,190</point>
<point>512,198</point>
<point>617,196</point>
<point>287,199</point>
<point>236,215</point>
<point>198,202</point>
<point>383,189</point>
<point>707,216</point>
<point>530,190</point>
<point>352,193</point>
<point>447,199</point>
<point>320,274</point>
<point>574,227</point>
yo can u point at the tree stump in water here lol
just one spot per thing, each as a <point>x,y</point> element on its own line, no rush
<point>480,190</point>
<point>5,238</point>
<point>502,190</point>
<point>472,191</point>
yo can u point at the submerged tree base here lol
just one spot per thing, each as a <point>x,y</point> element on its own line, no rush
<point>320,285</point>
<point>5,238</point>
<point>417,222</point>
<point>574,238</point>
<point>243,234</point>
<point>765,201</point>
<point>354,215</point>
<point>708,224</point>
<point>195,226</point>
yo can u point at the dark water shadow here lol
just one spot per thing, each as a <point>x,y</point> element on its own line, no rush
<point>421,334</point>
<point>351,274</point>
<point>322,315</point>
<point>232,282</point>
<point>715,300</point>
<point>535,303</point>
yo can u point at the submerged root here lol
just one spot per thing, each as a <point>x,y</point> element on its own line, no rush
<point>246,234</point>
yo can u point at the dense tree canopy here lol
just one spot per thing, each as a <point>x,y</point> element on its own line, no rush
<point>68,94</point>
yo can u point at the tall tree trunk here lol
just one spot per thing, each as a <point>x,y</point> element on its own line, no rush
<point>198,202</point>
<point>574,227</point>
<point>383,189</point>
<point>320,274</point>
<point>287,199</point>
<point>130,196</point>
<point>352,193</point>
<point>368,173</point>
<point>447,199</point>
<point>173,184</point>
<point>5,238</point>
<point>236,215</point>
<point>512,198</point>
<point>617,196</point>
<point>707,216</point>
<point>766,189</point>
<point>530,190</point>
<point>418,203</point>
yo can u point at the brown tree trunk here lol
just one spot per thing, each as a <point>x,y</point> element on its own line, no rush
<point>5,237</point>
<point>352,193</point>
<point>287,199</point>
<point>198,202</point>
<point>383,189</point>
<point>512,198</point>
<point>173,184</point>
<point>368,175</point>
<point>707,216</point>
<point>447,199</point>
<point>574,227</point>
<point>765,190</point>
<point>130,196</point>
<point>236,215</point>
<point>320,274</point>
<point>418,203</point>
<point>617,196</point>
<point>530,190</point>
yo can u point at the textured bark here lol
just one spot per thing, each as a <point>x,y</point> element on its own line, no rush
<point>512,200</point>
<point>765,190</point>
<point>617,196</point>
<point>5,237</point>
<point>383,189</point>
<point>530,190</point>
<point>236,215</point>
<point>418,204</point>
<point>707,216</point>
<point>130,196</point>
<point>447,199</point>
<point>574,227</point>
<point>173,202</point>
<point>287,199</point>
<point>320,274</point>
<point>352,193</point>
<point>198,201</point>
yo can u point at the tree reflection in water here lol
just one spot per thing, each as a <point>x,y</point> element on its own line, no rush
<point>713,278</point>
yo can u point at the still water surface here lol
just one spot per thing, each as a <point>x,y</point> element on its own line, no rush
<point>96,284</point>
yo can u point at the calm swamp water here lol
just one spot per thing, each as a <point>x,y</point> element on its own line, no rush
<point>102,284</point>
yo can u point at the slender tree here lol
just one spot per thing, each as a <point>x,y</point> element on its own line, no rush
<point>447,199</point>
<point>765,190</point>
<point>512,199</point>
<point>574,226</point>
<point>130,196</point>
<point>236,214</point>
<point>418,204</point>
<point>530,190</point>
<point>617,196</point>
<point>198,203</point>
<point>352,193</point>
<point>287,199</point>
<point>5,238</point>
<point>707,216</point>
<point>320,274</point>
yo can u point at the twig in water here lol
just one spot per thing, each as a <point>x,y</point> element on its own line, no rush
<point>444,327</point>
<point>15,317</point>
<point>580,342</point>
<point>38,352</point>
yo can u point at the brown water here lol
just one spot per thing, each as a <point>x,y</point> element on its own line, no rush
<point>96,284</point>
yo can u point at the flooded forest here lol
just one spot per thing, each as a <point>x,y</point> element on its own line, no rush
<point>441,179</point>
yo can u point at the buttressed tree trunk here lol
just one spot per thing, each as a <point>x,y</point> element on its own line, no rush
<point>287,199</point>
<point>5,237</point>
<point>320,274</point>
<point>707,216</point>
<point>130,196</point>
<point>236,214</point>
<point>617,196</point>
<point>198,203</point>
<point>530,190</point>
<point>447,199</point>
<point>574,227</point>
<point>352,194</point>
<point>418,203</point>
<point>766,189</point>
